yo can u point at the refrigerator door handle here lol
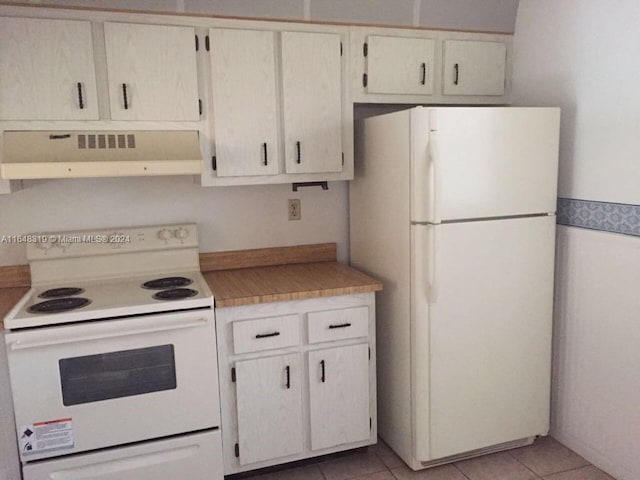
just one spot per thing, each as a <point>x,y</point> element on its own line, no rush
<point>430,267</point>
<point>433,178</point>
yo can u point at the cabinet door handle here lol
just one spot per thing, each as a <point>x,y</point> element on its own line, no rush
<point>423,77</point>
<point>322,372</point>
<point>456,74</point>
<point>267,335</point>
<point>80,99</point>
<point>339,325</point>
<point>287,369</point>
<point>264,151</point>
<point>299,154</point>
<point>125,96</point>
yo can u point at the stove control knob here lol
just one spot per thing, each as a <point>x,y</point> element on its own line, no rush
<point>181,233</point>
<point>165,234</point>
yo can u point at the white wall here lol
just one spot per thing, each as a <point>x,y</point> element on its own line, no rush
<point>582,55</point>
<point>489,15</point>
<point>229,218</point>
<point>596,380</point>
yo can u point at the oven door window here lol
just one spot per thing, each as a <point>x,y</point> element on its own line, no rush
<point>93,378</point>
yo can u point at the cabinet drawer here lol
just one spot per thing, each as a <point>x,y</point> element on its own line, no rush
<point>341,324</point>
<point>265,334</point>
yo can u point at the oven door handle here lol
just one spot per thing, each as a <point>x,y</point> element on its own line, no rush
<point>25,344</point>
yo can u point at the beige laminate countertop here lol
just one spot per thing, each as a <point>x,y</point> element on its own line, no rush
<point>245,286</point>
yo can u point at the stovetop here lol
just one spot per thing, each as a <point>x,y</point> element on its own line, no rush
<point>109,298</point>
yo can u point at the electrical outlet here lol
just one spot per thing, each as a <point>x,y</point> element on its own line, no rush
<point>294,209</point>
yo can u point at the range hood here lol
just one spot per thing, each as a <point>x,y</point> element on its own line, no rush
<point>64,154</point>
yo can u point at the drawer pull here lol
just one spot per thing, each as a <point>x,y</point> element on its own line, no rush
<point>80,99</point>
<point>125,96</point>
<point>267,335</point>
<point>322,376</point>
<point>339,325</point>
<point>288,370</point>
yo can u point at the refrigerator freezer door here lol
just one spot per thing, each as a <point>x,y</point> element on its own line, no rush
<point>481,314</point>
<point>483,162</point>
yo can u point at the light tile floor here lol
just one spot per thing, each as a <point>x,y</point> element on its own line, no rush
<point>546,459</point>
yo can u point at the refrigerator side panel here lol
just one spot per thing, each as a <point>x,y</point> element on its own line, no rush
<point>490,320</point>
<point>380,246</point>
<point>491,162</point>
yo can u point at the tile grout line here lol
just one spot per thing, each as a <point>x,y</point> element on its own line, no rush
<point>537,475</point>
<point>461,472</point>
<point>574,469</point>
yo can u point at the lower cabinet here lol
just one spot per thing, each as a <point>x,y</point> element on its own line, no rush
<point>339,395</point>
<point>297,379</point>
<point>269,400</point>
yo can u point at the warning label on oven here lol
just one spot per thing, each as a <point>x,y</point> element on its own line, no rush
<point>46,436</point>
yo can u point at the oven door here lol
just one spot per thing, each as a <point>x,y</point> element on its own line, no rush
<point>87,386</point>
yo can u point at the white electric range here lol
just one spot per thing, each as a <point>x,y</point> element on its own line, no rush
<point>112,358</point>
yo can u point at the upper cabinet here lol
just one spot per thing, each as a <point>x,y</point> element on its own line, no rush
<point>474,68</point>
<point>48,70</point>
<point>244,92</point>
<point>427,66</point>
<point>312,102</point>
<point>151,72</point>
<point>280,105</point>
<point>399,65</point>
<point>272,101</point>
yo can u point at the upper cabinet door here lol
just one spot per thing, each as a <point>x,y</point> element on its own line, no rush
<point>312,102</point>
<point>474,68</point>
<point>243,73</point>
<point>400,65</point>
<point>152,72</point>
<point>47,70</point>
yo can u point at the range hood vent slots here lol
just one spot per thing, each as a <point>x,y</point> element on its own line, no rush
<point>111,140</point>
<point>55,154</point>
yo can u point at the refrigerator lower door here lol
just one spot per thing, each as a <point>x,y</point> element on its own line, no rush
<point>482,296</point>
<point>194,457</point>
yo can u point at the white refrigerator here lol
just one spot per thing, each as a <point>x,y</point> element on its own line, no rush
<point>453,208</point>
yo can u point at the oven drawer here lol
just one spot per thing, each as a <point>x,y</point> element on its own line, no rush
<point>331,325</point>
<point>265,334</point>
<point>196,457</point>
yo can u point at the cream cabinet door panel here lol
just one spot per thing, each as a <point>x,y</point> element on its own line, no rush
<point>474,68</point>
<point>269,400</point>
<point>400,65</point>
<point>312,102</point>
<point>156,65</point>
<point>243,73</point>
<point>46,70</point>
<point>339,395</point>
